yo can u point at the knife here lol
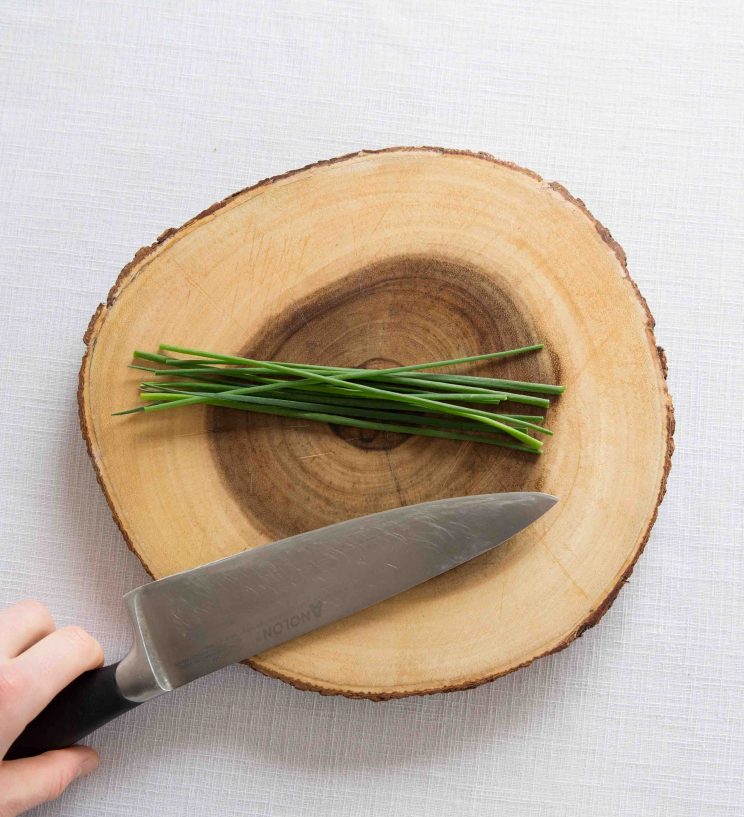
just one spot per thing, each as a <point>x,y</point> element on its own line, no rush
<point>193,623</point>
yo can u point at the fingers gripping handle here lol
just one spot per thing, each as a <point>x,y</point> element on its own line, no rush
<point>90,701</point>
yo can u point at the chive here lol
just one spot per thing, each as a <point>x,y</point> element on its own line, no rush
<point>127,411</point>
<point>446,408</point>
<point>187,389</point>
<point>256,366</point>
<point>448,381</point>
<point>393,380</point>
<point>493,382</point>
<point>415,367</point>
<point>473,397</point>
<point>354,422</point>
<point>170,395</point>
<point>395,399</point>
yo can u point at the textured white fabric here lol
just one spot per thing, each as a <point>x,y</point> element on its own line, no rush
<point>122,118</point>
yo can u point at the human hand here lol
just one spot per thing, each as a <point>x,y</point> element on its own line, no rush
<point>36,662</point>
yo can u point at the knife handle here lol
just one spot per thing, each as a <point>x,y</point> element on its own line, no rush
<point>90,701</point>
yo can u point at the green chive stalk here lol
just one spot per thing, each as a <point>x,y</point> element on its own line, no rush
<point>401,399</point>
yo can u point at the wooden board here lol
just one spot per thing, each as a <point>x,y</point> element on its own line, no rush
<point>394,257</point>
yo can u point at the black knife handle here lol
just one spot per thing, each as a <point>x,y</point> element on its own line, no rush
<point>89,702</point>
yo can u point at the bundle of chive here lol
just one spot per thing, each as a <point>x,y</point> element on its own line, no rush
<point>404,400</point>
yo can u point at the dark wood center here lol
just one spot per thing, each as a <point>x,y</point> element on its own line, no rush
<point>291,475</point>
<point>366,438</point>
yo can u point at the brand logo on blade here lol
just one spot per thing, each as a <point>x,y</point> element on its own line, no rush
<point>290,623</point>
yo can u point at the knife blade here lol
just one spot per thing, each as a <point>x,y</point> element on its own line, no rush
<point>195,622</point>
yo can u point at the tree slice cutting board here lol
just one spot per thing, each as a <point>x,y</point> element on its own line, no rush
<point>387,258</point>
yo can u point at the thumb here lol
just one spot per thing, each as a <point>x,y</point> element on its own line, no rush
<point>33,780</point>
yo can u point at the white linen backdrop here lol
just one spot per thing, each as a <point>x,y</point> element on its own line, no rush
<point>120,119</point>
